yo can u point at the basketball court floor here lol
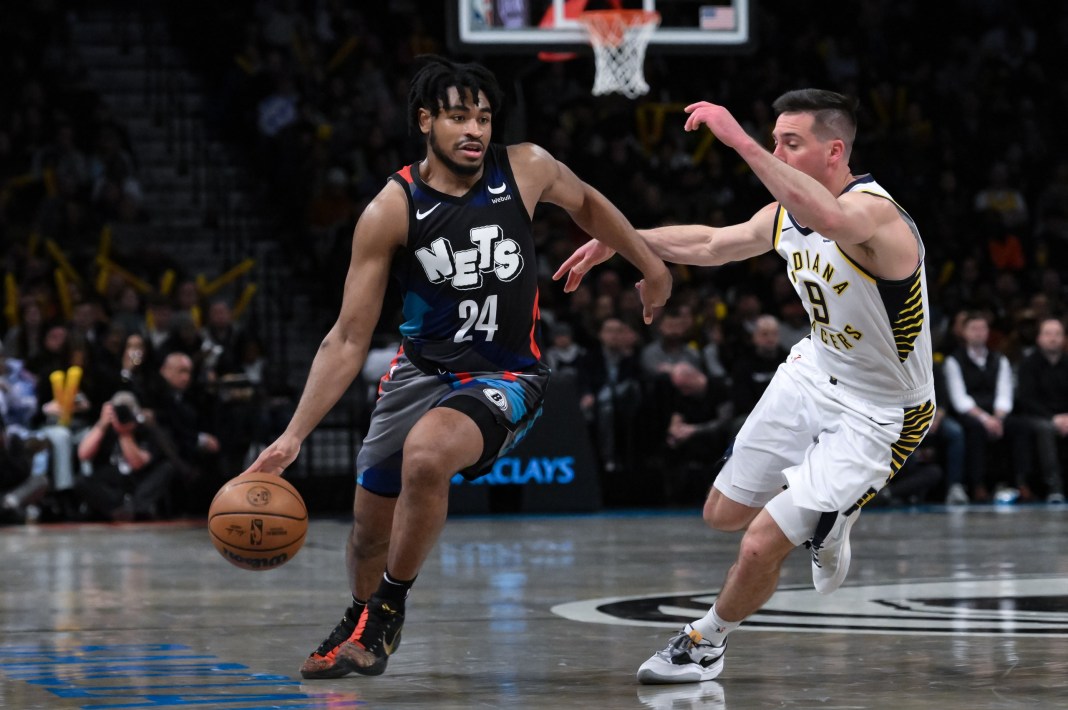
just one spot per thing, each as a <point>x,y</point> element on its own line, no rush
<point>942,609</point>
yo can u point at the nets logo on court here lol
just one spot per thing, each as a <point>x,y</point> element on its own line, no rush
<point>1023,606</point>
<point>492,253</point>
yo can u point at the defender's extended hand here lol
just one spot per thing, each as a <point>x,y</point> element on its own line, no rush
<point>581,261</point>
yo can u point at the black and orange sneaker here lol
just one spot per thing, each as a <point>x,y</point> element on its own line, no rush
<point>376,638</point>
<point>324,661</point>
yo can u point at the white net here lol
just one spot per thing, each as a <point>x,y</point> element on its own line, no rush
<point>619,39</point>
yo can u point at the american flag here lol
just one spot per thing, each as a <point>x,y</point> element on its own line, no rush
<point>717,17</point>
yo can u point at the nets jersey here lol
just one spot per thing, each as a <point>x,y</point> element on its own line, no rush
<point>469,275</point>
<point>870,334</point>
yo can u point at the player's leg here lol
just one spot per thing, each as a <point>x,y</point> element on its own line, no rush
<point>405,395</point>
<point>368,543</point>
<point>365,559</point>
<point>698,652</point>
<point>774,436</point>
<point>445,440</point>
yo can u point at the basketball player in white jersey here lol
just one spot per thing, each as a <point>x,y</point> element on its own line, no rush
<point>852,400</point>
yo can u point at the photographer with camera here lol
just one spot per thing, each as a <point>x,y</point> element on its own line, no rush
<point>124,476</point>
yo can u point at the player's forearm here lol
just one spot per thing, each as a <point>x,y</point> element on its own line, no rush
<point>601,220</point>
<point>683,244</point>
<point>332,371</point>
<point>802,196</point>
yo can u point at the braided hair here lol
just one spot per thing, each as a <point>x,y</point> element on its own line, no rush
<point>430,86</point>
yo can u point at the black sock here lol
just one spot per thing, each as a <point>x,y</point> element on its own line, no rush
<point>356,609</point>
<point>394,590</point>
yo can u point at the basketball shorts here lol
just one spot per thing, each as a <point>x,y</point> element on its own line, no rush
<point>503,404</point>
<point>811,447</point>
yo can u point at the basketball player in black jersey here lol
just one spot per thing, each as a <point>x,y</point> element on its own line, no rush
<point>467,383</point>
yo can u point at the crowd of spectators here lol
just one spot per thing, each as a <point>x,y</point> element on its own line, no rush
<point>959,104</point>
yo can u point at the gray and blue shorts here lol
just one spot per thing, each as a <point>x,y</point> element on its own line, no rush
<point>504,405</point>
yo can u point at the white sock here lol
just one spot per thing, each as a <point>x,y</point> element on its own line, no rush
<point>713,628</point>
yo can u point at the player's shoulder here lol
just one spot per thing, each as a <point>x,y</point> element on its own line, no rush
<point>387,212</point>
<point>527,153</point>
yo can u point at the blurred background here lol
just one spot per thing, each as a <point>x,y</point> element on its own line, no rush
<point>179,182</point>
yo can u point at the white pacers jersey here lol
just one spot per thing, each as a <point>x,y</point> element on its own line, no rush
<point>870,334</point>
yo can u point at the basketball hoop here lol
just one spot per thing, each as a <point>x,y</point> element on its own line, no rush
<point>619,39</point>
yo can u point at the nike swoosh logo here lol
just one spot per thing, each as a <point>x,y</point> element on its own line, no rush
<point>420,215</point>
<point>880,423</point>
<point>786,228</point>
<point>497,190</point>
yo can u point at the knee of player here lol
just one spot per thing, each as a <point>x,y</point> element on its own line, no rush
<point>368,544</point>
<point>755,550</point>
<point>425,465</point>
<point>717,517</point>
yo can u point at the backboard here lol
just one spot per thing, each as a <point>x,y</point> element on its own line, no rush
<point>501,26</point>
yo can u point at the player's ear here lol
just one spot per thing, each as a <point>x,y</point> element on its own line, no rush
<point>425,119</point>
<point>837,151</point>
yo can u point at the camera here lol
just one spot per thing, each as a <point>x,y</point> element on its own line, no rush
<point>124,414</point>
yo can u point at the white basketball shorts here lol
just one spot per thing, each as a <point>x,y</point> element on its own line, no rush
<point>832,449</point>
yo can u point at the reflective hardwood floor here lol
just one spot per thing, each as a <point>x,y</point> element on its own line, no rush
<point>963,608</point>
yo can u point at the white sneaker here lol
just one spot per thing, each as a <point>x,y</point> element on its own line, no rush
<point>688,658</point>
<point>1056,498</point>
<point>957,495</point>
<point>830,561</point>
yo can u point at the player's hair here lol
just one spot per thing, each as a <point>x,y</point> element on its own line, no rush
<point>835,115</point>
<point>430,86</point>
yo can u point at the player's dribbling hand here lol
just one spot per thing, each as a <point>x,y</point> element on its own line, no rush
<point>581,261</point>
<point>276,457</point>
<point>655,290</point>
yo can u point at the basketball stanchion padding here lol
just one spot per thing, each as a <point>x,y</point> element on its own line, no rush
<point>258,521</point>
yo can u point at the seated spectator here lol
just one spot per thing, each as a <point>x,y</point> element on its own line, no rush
<point>564,355</point>
<point>658,359</point>
<point>754,369</point>
<point>23,341</point>
<point>125,477</point>
<point>127,371</point>
<point>610,396</point>
<point>670,346</point>
<point>181,417</point>
<point>980,388</point>
<point>700,423</point>
<point>20,489</point>
<point>1041,403</point>
<point>946,436</point>
<point>23,451</point>
<point>220,338</point>
<point>158,321</point>
<point>57,354</point>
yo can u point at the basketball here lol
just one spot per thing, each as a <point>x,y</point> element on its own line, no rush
<point>257,521</point>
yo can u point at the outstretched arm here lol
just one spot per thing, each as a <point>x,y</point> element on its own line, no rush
<point>851,219</point>
<point>693,244</point>
<point>551,181</point>
<point>380,230</point>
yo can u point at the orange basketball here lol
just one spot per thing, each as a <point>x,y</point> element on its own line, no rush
<point>258,521</point>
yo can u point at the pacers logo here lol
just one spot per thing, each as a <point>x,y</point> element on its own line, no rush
<point>258,496</point>
<point>1020,606</point>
